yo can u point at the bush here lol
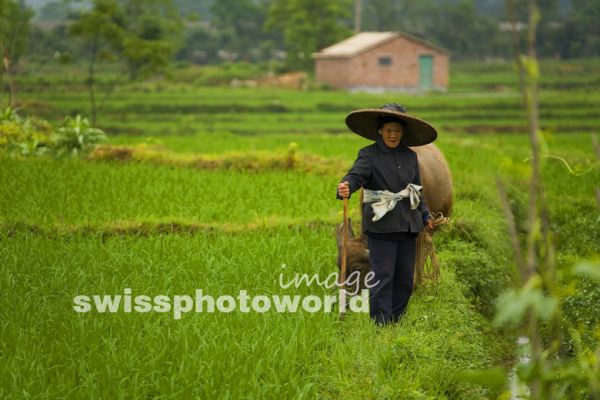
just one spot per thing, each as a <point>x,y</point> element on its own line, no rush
<point>484,278</point>
<point>77,135</point>
<point>31,136</point>
<point>24,136</point>
<point>580,307</point>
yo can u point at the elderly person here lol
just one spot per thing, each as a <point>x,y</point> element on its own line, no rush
<point>394,210</point>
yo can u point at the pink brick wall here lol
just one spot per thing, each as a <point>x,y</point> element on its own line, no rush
<point>403,72</point>
<point>332,71</point>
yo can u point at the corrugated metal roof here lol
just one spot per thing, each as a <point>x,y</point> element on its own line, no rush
<point>367,40</point>
<point>356,44</point>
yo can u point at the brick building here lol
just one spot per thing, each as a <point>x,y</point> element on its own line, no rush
<point>383,61</point>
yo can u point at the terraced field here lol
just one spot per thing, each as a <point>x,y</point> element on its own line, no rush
<point>156,225</point>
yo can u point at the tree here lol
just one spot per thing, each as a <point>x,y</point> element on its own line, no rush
<point>194,8</point>
<point>102,30</point>
<point>141,35</point>
<point>309,26</point>
<point>14,31</point>
<point>382,15</point>
<point>201,45</point>
<point>399,15</point>
<point>152,35</point>
<point>581,32</point>
<point>53,44</point>
<point>476,32</point>
<point>239,24</point>
<point>548,32</point>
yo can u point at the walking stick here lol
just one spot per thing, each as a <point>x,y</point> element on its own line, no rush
<point>342,297</point>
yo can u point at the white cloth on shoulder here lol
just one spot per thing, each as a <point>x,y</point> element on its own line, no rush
<point>384,200</point>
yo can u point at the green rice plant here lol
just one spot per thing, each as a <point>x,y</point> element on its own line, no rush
<point>202,187</point>
<point>217,355</point>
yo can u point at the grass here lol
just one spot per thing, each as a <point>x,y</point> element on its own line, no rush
<point>216,355</point>
<point>159,224</point>
<point>276,111</point>
<point>78,192</point>
<point>160,229</point>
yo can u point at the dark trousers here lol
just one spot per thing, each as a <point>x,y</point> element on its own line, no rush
<point>392,262</point>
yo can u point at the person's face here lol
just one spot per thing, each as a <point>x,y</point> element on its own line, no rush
<point>392,134</point>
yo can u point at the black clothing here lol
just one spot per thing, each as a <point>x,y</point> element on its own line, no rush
<point>392,239</point>
<point>392,262</point>
<point>379,167</point>
<point>393,235</point>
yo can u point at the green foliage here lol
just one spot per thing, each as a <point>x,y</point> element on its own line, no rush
<point>24,136</point>
<point>549,370</point>
<point>76,135</point>
<point>123,216</point>
<point>225,73</point>
<point>239,25</point>
<point>493,378</point>
<point>143,35</point>
<point>14,29</point>
<point>483,276</point>
<point>581,296</point>
<point>200,46</point>
<point>588,269</point>
<point>151,35</point>
<point>478,34</point>
<point>9,114</point>
<point>108,21</point>
<point>579,36</point>
<point>580,308</point>
<point>31,136</point>
<point>514,304</point>
<point>145,56</point>
<point>233,30</point>
<point>203,355</point>
<point>235,230</point>
<point>101,27</point>
<point>308,26</point>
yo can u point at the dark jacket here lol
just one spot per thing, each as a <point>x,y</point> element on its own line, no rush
<point>378,167</point>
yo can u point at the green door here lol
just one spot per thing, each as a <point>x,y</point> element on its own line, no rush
<point>425,72</point>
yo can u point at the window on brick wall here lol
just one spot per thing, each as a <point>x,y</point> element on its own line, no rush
<point>385,61</point>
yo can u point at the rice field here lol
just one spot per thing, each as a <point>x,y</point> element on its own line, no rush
<point>95,227</point>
